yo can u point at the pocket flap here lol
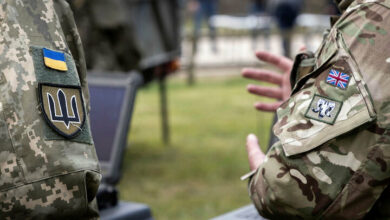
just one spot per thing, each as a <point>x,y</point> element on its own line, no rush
<point>299,75</point>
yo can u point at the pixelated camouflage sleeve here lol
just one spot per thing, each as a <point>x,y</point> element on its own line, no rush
<point>48,164</point>
<point>333,157</point>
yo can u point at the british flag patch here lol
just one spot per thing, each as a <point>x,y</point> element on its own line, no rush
<point>338,79</point>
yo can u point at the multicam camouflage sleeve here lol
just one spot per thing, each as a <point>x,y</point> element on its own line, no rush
<point>333,157</point>
<point>48,164</point>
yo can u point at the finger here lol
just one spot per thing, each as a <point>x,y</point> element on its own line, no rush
<point>267,107</point>
<point>263,75</point>
<point>255,155</point>
<point>276,93</point>
<point>281,62</point>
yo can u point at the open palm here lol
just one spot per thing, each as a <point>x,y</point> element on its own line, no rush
<point>280,93</point>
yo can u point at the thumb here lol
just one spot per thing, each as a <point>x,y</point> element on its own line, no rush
<point>255,155</point>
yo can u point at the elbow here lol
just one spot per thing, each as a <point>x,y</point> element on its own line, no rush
<point>287,196</point>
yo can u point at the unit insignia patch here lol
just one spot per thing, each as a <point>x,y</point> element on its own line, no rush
<point>63,108</point>
<point>323,109</point>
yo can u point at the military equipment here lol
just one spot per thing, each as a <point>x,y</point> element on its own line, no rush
<point>248,212</point>
<point>112,102</point>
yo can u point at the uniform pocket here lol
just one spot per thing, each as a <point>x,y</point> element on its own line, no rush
<point>10,171</point>
<point>331,102</point>
<point>303,64</point>
<point>64,197</point>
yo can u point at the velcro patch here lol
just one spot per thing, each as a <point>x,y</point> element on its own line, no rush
<point>323,109</point>
<point>54,60</point>
<point>63,108</point>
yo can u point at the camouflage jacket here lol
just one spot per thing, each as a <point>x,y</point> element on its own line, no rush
<point>333,157</point>
<point>48,164</point>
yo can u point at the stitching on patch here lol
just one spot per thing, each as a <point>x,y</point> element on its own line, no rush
<point>317,119</point>
<point>49,121</point>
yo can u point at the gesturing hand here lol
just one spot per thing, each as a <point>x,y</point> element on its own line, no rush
<point>255,155</point>
<point>280,93</point>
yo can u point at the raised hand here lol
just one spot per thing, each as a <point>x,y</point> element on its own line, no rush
<point>280,93</point>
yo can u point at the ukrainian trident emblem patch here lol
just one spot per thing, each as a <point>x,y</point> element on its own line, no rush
<point>63,108</point>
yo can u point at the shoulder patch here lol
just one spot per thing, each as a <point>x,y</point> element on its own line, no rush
<point>323,109</point>
<point>54,60</point>
<point>338,79</point>
<point>63,108</point>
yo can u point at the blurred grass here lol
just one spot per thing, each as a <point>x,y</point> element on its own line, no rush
<point>197,175</point>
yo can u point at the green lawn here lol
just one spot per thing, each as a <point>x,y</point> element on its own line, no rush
<point>197,176</point>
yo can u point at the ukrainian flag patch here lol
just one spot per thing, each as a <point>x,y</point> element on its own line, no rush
<point>54,60</point>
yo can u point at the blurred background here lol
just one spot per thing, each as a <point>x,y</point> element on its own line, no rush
<point>185,148</point>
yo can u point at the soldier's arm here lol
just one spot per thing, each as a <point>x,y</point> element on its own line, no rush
<point>335,166</point>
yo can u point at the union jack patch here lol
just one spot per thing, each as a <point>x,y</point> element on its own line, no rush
<point>338,79</point>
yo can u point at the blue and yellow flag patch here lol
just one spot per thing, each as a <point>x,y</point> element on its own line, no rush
<point>54,60</point>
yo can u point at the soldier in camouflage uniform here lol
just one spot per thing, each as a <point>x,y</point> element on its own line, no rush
<point>48,163</point>
<point>333,157</point>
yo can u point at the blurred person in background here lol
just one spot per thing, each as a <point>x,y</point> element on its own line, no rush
<point>331,8</point>
<point>204,9</point>
<point>332,160</point>
<point>109,39</point>
<point>258,6</point>
<point>258,9</point>
<point>285,12</point>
